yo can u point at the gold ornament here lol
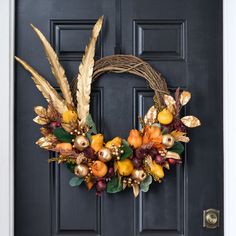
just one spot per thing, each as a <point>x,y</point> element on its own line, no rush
<point>81,142</point>
<point>168,140</point>
<point>81,170</point>
<point>104,154</point>
<point>139,174</point>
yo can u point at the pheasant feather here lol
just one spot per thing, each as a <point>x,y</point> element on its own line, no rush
<point>45,88</point>
<point>57,69</point>
<point>84,78</point>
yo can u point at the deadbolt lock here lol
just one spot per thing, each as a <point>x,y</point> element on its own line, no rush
<point>211,218</point>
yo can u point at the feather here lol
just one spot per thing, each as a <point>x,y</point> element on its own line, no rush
<point>57,69</point>
<point>45,88</point>
<point>85,75</point>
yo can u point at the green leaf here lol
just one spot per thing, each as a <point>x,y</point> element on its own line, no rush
<point>144,186</point>
<point>127,150</point>
<point>91,124</point>
<point>114,186</point>
<point>75,181</point>
<point>63,136</point>
<point>71,166</point>
<point>178,148</point>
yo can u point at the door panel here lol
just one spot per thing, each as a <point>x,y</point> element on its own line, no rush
<point>182,40</point>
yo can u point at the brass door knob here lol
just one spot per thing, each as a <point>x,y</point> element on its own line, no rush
<point>211,218</point>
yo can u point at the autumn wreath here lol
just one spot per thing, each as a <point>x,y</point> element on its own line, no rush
<point>69,131</point>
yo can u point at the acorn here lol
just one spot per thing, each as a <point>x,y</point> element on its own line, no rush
<point>81,170</point>
<point>168,140</point>
<point>104,154</point>
<point>81,142</point>
<point>139,174</point>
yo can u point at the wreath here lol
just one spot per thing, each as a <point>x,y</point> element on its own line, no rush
<point>70,132</point>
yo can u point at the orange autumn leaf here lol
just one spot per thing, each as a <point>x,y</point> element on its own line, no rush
<point>153,134</point>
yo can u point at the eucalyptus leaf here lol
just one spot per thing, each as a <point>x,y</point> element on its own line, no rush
<point>114,186</point>
<point>144,186</point>
<point>178,148</point>
<point>91,124</point>
<point>63,135</point>
<point>127,150</point>
<point>75,181</point>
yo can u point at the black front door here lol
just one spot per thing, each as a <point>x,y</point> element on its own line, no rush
<point>181,39</point>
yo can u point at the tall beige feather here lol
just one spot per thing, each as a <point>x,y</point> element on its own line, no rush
<point>45,88</point>
<point>57,69</point>
<point>85,75</point>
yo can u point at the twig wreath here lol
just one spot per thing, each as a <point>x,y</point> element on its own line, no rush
<point>68,128</point>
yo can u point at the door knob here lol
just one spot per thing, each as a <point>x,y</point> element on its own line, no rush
<point>211,218</point>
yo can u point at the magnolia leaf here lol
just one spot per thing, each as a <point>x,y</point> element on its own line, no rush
<point>113,186</point>
<point>151,116</point>
<point>136,190</point>
<point>76,181</point>
<point>62,135</point>
<point>178,148</point>
<point>127,150</point>
<point>144,186</point>
<point>185,96</point>
<point>91,124</point>
<point>191,121</point>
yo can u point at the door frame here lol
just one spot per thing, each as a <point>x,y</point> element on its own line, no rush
<point>7,116</point>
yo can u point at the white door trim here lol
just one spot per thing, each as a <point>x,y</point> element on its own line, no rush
<point>6,117</point>
<point>229,38</point>
<point>7,114</point>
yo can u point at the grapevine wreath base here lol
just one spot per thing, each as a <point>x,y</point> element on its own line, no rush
<point>69,131</point>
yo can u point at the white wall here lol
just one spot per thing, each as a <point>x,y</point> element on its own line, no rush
<point>6,116</point>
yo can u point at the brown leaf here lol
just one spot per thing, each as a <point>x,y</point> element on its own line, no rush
<point>151,116</point>
<point>40,120</point>
<point>185,97</point>
<point>40,111</point>
<point>172,155</point>
<point>167,165</point>
<point>45,131</point>
<point>69,127</point>
<point>136,190</point>
<point>47,142</point>
<point>52,114</point>
<point>180,136</point>
<point>191,121</point>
